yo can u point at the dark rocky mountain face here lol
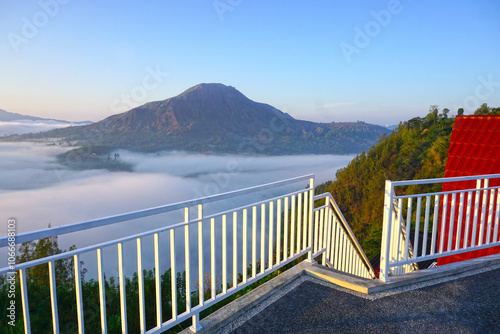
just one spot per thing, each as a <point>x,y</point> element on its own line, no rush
<point>206,109</point>
<point>218,118</point>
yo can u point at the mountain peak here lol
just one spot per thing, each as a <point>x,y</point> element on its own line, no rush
<point>209,90</point>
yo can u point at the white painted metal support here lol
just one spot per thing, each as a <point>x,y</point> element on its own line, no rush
<point>467,220</point>
<point>443,223</point>
<point>140,281</point>
<point>299,221</point>
<point>53,298</point>
<point>24,300</point>
<point>271,234</point>
<point>460,223</point>
<point>254,241</point>
<point>407,229</point>
<point>245,246</point>
<point>426,223</point>
<point>286,235</point>
<point>435,223</point>
<point>311,213</point>
<point>305,221</point>
<point>476,214</point>
<point>235,249</point>
<point>78,291</point>
<point>278,231</point>
<point>497,218</point>
<point>386,232</point>
<point>187,255</point>
<point>123,299</point>
<point>201,287</point>
<point>213,279</point>
<point>483,213</point>
<point>451,221</point>
<point>224,254</point>
<point>173,272</point>
<point>417,227</point>
<point>316,223</point>
<point>262,237</point>
<point>102,291</point>
<point>195,327</point>
<point>159,315</point>
<point>490,217</point>
<point>292,236</point>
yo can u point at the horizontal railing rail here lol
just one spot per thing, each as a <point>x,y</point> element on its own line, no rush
<point>444,180</point>
<point>244,245</point>
<point>335,241</point>
<point>433,225</point>
<point>81,226</point>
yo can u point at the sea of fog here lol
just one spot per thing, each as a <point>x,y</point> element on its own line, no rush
<point>37,191</point>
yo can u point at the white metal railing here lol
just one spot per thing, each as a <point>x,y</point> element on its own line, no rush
<point>442,223</point>
<point>282,227</point>
<point>334,240</point>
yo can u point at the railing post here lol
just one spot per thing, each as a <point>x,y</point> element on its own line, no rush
<point>196,327</point>
<point>311,209</point>
<point>201,290</point>
<point>386,232</point>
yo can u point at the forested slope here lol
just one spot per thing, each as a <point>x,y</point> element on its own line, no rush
<point>417,149</point>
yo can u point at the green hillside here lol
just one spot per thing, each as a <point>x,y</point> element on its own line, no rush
<point>417,149</point>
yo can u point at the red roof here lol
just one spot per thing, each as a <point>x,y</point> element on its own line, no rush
<point>474,150</point>
<point>474,146</point>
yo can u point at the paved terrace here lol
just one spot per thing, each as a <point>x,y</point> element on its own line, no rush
<point>449,299</point>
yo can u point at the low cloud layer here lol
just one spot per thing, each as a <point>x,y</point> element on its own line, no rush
<point>20,127</point>
<point>37,191</point>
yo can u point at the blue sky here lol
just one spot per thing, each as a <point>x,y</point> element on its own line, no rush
<point>377,61</point>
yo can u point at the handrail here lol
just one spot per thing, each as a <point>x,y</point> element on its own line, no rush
<point>347,228</point>
<point>59,230</point>
<point>105,244</point>
<point>451,222</point>
<point>445,192</point>
<point>444,180</point>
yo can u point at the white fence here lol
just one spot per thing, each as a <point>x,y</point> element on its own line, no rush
<point>252,241</point>
<point>334,240</point>
<point>442,223</point>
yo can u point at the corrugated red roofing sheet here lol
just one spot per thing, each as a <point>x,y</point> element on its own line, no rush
<point>474,150</point>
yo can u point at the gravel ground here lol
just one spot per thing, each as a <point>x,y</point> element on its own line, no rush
<point>470,304</point>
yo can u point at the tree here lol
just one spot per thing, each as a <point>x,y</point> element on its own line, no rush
<point>434,109</point>
<point>460,111</point>
<point>418,149</point>
<point>483,110</point>
<point>33,250</point>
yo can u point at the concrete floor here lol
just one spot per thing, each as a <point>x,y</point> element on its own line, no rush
<point>466,305</point>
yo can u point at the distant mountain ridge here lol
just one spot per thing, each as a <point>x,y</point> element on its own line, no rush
<point>17,124</point>
<point>218,118</point>
<point>6,116</point>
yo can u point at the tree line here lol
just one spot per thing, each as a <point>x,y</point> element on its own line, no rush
<point>416,149</point>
